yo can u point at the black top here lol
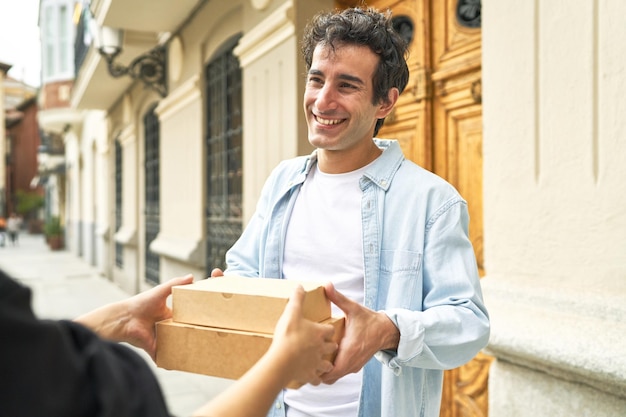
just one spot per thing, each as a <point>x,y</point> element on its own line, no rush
<point>60,368</point>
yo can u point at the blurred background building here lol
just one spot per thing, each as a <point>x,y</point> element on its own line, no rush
<point>19,142</point>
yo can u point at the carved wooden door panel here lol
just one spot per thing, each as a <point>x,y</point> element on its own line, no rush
<point>438,121</point>
<point>457,108</point>
<point>457,157</point>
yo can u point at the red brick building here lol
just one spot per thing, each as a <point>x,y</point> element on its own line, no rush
<point>22,142</point>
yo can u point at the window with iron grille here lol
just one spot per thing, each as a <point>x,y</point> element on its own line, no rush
<point>152,215</point>
<point>223,154</point>
<point>119,248</point>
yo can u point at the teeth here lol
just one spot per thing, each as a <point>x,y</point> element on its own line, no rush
<point>328,122</point>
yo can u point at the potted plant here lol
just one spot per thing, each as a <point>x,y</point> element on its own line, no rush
<point>28,206</point>
<point>54,233</point>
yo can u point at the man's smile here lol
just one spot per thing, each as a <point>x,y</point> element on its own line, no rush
<point>328,122</point>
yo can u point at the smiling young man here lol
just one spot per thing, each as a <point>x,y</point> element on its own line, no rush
<point>338,103</point>
<point>390,237</point>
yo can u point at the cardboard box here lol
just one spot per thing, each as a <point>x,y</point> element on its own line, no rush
<point>217,352</point>
<point>249,304</point>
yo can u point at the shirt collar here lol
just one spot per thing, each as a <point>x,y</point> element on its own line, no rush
<point>381,171</point>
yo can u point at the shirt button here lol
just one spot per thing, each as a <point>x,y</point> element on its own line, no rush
<point>278,404</point>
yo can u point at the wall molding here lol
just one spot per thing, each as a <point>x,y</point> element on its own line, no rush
<point>184,249</point>
<point>567,329</point>
<point>182,96</point>
<point>275,29</point>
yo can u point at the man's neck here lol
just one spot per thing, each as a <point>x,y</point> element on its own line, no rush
<point>341,161</point>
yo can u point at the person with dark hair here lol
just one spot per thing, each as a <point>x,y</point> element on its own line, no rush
<point>13,228</point>
<point>390,236</point>
<point>61,368</point>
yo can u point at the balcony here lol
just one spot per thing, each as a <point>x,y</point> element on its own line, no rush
<point>144,23</point>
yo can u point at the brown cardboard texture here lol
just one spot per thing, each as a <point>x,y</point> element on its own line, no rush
<point>217,352</point>
<point>249,304</point>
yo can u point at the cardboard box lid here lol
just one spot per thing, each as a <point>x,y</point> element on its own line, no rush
<point>217,352</point>
<point>249,304</point>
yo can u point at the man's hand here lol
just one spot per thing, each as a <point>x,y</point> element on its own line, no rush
<point>217,273</point>
<point>366,333</point>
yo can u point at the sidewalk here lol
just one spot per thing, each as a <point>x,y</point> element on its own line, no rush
<point>64,286</point>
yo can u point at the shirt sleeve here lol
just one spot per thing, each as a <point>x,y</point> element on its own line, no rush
<point>454,324</point>
<point>60,368</point>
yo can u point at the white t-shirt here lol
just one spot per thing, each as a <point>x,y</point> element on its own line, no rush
<point>324,243</point>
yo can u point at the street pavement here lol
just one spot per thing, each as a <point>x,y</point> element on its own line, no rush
<point>65,286</point>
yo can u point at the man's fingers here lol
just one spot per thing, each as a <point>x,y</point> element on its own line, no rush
<point>325,367</point>
<point>337,298</point>
<point>217,273</point>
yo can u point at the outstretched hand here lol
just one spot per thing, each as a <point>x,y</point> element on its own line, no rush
<point>146,309</point>
<point>366,333</point>
<point>133,320</point>
<point>303,344</point>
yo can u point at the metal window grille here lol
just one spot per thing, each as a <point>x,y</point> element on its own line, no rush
<point>119,249</point>
<point>152,197</point>
<point>80,49</point>
<point>224,220</point>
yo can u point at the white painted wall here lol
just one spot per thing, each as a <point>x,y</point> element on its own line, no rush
<point>554,88</point>
<point>554,149</point>
<point>72,190</point>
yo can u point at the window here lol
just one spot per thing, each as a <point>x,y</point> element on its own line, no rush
<point>57,40</point>
<point>152,197</point>
<point>224,154</point>
<point>48,41</point>
<point>119,248</point>
<point>64,41</point>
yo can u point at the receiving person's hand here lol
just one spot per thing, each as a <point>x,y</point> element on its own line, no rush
<point>366,333</point>
<point>302,344</point>
<point>146,309</point>
<point>133,320</point>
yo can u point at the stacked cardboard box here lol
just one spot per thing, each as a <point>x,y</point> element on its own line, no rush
<point>222,326</point>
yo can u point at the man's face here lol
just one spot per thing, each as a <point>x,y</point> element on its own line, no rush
<point>338,97</point>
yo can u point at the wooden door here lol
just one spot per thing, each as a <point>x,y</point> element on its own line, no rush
<point>438,121</point>
<point>457,157</point>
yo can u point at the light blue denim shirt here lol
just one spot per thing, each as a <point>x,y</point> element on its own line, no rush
<point>420,270</point>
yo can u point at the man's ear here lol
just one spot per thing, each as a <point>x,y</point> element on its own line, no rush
<point>387,105</point>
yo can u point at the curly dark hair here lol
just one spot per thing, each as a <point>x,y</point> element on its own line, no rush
<point>365,27</point>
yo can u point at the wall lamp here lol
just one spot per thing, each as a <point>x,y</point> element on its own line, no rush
<point>149,68</point>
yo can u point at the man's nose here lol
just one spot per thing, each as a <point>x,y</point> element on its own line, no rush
<point>326,98</point>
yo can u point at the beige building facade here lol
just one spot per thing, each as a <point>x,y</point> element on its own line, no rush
<point>554,88</point>
<point>553,149</point>
<point>263,37</point>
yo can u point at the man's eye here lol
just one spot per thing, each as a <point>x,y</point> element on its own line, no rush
<point>348,86</point>
<point>315,80</point>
